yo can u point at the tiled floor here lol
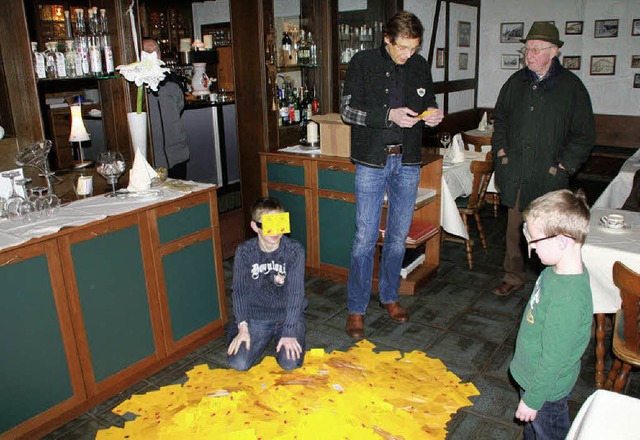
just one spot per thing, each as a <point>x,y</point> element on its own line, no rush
<point>455,318</point>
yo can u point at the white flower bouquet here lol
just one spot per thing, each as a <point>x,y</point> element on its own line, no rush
<point>148,71</point>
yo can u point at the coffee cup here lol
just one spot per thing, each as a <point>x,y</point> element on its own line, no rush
<point>613,221</point>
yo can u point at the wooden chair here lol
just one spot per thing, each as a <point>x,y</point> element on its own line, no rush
<point>492,198</point>
<point>470,206</point>
<point>626,334</point>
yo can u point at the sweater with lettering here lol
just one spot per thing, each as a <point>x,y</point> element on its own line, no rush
<point>269,286</point>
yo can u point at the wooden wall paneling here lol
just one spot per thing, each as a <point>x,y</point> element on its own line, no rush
<point>21,82</point>
<point>248,35</point>
<point>618,130</point>
<point>115,98</point>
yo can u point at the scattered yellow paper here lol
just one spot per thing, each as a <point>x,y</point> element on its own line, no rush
<point>354,394</point>
<point>274,224</point>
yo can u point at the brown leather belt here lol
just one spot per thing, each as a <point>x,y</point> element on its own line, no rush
<point>393,149</point>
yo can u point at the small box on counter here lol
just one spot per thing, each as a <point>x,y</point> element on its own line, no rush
<point>335,135</point>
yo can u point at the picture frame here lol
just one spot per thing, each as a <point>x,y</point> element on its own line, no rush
<point>602,65</point>
<point>464,34</point>
<point>635,61</point>
<point>511,32</point>
<point>510,61</point>
<point>571,62</point>
<point>463,61</point>
<point>606,28</point>
<point>440,58</point>
<point>635,27</point>
<point>573,27</point>
<point>636,81</point>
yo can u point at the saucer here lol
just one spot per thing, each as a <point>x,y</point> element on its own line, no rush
<point>625,227</point>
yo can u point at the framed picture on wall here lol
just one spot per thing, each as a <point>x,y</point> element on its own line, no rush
<point>571,62</point>
<point>511,32</point>
<point>464,34</point>
<point>603,65</point>
<point>439,57</point>
<point>635,61</point>
<point>636,81</point>
<point>510,62</point>
<point>606,29</point>
<point>635,27</point>
<point>573,28</point>
<point>463,61</point>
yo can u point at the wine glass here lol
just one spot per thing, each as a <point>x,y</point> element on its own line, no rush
<point>110,166</point>
<point>14,200</point>
<point>445,139</point>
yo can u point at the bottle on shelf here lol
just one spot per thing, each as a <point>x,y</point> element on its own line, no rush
<point>303,105</point>
<point>50,63</point>
<point>82,46</point>
<point>283,109</point>
<point>303,49</point>
<point>315,103</point>
<point>286,50</point>
<point>313,55</point>
<point>107,52</point>
<point>38,61</point>
<point>61,65</point>
<point>95,52</point>
<point>68,30</point>
<point>70,58</point>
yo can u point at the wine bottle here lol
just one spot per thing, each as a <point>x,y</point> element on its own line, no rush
<point>107,52</point>
<point>38,61</point>
<point>283,107</point>
<point>95,55</point>
<point>70,58</point>
<point>82,48</point>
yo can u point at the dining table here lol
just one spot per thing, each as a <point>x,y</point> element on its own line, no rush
<point>616,193</point>
<point>602,248</point>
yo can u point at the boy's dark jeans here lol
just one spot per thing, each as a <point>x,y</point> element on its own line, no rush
<point>551,423</point>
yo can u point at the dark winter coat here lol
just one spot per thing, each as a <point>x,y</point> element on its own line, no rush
<point>539,125</point>
<point>365,105</point>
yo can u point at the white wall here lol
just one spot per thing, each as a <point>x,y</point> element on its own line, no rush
<point>609,94</point>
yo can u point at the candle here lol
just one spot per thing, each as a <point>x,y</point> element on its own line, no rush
<point>312,132</point>
<point>208,41</point>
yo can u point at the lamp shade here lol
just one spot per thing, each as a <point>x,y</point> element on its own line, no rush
<point>78,131</point>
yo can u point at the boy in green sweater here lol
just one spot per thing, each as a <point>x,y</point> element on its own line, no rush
<point>556,325</point>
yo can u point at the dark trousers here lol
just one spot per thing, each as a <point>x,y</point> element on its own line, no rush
<point>514,268</point>
<point>552,421</point>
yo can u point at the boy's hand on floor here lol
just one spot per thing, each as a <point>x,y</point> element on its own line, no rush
<point>292,348</point>
<point>242,336</point>
<point>524,413</point>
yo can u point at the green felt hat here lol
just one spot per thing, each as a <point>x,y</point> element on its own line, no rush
<point>545,31</point>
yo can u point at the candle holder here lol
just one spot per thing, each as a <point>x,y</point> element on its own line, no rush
<point>309,139</point>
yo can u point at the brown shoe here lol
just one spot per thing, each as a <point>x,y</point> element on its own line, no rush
<point>506,289</point>
<point>396,312</point>
<point>355,326</point>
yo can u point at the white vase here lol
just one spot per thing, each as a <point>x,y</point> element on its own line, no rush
<point>138,131</point>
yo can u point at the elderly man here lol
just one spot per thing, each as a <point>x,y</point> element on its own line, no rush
<point>388,98</point>
<point>544,130</point>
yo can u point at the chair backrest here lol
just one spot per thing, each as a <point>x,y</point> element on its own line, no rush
<point>628,282</point>
<point>481,171</point>
<point>472,140</point>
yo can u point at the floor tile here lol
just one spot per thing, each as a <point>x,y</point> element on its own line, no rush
<point>497,400</point>
<point>490,327</point>
<point>462,350</point>
<point>466,426</point>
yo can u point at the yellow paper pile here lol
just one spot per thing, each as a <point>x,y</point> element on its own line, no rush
<point>357,394</point>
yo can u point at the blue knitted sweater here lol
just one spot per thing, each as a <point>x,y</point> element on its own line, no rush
<point>269,286</point>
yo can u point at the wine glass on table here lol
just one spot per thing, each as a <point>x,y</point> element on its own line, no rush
<point>445,139</point>
<point>110,165</point>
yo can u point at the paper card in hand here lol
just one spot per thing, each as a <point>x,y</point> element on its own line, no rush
<point>274,224</point>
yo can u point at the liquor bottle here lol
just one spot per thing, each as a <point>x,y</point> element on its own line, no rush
<point>315,104</point>
<point>38,61</point>
<point>68,31</point>
<point>70,58</point>
<point>286,49</point>
<point>303,105</point>
<point>82,46</point>
<point>313,56</point>
<point>296,107</point>
<point>283,106</point>
<point>107,52</point>
<point>61,66</point>
<point>50,59</point>
<point>303,49</point>
<point>95,55</point>
<point>309,103</point>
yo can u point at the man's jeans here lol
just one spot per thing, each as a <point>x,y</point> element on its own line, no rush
<point>401,185</point>
<point>552,421</point>
<point>261,332</point>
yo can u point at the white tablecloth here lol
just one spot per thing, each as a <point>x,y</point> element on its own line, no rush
<point>80,213</point>
<point>619,189</point>
<point>457,181</point>
<point>604,247</point>
<point>607,415</point>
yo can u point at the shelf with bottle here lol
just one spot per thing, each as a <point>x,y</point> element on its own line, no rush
<point>296,105</point>
<point>297,49</point>
<point>353,39</point>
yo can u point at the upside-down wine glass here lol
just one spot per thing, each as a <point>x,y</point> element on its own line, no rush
<point>110,165</point>
<point>445,139</point>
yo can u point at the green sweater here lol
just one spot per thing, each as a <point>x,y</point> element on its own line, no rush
<point>553,335</point>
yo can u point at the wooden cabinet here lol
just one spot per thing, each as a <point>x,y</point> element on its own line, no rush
<point>91,310</point>
<point>329,186</point>
<point>40,368</point>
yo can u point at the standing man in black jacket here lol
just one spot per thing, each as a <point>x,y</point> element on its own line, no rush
<point>544,130</point>
<point>387,91</point>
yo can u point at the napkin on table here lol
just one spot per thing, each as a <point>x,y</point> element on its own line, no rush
<point>455,152</point>
<point>483,125</point>
<point>141,173</point>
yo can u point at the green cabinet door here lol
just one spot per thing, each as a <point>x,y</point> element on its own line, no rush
<point>192,288</point>
<point>295,205</point>
<point>34,373</point>
<point>337,223</point>
<point>113,298</point>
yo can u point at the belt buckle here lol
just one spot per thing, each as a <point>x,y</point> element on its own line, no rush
<point>394,149</point>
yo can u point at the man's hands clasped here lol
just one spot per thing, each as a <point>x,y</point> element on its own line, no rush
<point>406,118</point>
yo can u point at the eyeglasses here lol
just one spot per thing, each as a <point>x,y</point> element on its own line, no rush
<point>258,224</point>
<point>538,240</point>
<point>534,50</point>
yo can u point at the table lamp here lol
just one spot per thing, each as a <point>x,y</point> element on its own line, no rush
<point>78,134</point>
